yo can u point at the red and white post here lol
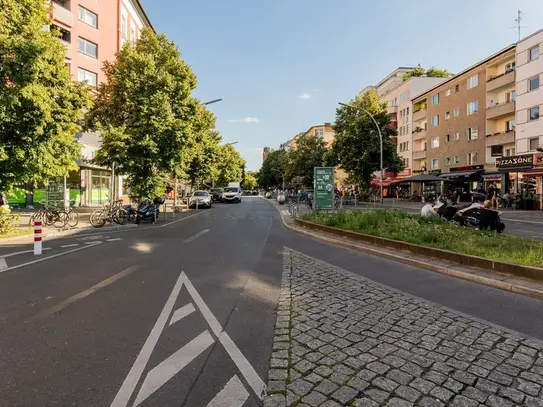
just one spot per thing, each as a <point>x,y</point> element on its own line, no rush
<point>37,237</point>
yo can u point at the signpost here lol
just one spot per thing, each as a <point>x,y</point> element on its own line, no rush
<point>324,188</point>
<point>55,193</point>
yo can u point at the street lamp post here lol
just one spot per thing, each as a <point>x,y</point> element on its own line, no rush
<point>380,140</point>
<point>282,176</point>
<point>211,102</point>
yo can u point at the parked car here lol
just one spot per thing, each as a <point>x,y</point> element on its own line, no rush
<point>232,194</point>
<point>216,194</point>
<point>202,198</point>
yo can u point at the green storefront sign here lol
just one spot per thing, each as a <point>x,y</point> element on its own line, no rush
<point>324,188</point>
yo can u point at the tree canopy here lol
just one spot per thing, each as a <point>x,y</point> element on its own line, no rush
<point>356,146</point>
<point>433,72</point>
<point>40,105</point>
<point>275,163</point>
<point>249,182</point>
<point>149,121</point>
<point>304,157</point>
<point>230,165</point>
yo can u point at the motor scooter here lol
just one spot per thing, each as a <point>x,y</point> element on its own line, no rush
<point>149,211</point>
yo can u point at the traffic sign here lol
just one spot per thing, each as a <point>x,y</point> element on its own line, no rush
<point>324,188</point>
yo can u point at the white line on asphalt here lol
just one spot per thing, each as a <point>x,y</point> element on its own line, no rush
<point>114,240</point>
<point>23,252</point>
<point>3,264</point>
<point>173,364</point>
<point>182,219</point>
<point>181,313</point>
<point>93,243</point>
<point>196,236</point>
<point>233,394</point>
<point>50,257</point>
<point>129,384</point>
<point>70,245</point>
<point>233,351</point>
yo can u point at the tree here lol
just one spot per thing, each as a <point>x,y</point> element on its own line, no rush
<point>250,182</point>
<point>40,104</point>
<point>269,175</point>
<point>433,72</point>
<point>230,165</point>
<point>357,146</point>
<point>148,119</point>
<point>204,156</point>
<point>307,155</point>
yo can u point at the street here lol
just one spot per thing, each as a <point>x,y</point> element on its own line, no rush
<point>185,314</point>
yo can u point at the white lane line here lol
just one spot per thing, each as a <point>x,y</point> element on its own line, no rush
<point>173,364</point>
<point>196,236</point>
<point>50,257</point>
<point>237,357</point>
<point>129,384</point>
<point>23,252</point>
<point>3,264</point>
<point>93,243</point>
<point>182,219</point>
<point>181,313</point>
<point>70,245</point>
<point>233,394</point>
<point>114,239</point>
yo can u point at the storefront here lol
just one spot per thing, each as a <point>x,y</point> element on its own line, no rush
<point>464,180</point>
<point>519,173</point>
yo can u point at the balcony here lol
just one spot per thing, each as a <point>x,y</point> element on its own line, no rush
<point>62,14</point>
<point>496,82</point>
<point>419,134</point>
<point>392,110</point>
<point>419,154</point>
<point>419,115</point>
<point>500,110</point>
<point>504,137</point>
<point>68,47</point>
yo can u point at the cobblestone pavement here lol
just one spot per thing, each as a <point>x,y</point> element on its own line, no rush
<point>342,340</point>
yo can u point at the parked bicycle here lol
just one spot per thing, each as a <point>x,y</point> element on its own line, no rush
<point>110,212</point>
<point>49,216</point>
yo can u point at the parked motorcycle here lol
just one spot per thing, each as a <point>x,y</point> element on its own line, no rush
<point>148,210</point>
<point>132,212</point>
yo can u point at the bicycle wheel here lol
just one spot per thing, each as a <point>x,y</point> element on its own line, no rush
<point>49,218</point>
<point>73,218</point>
<point>98,218</point>
<point>35,216</point>
<point>121,217</point>
<point>60,219</point>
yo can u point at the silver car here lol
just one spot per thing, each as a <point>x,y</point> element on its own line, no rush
<point>202,198</point>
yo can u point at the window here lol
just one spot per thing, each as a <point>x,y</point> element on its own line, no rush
<point>447,115</point>
<point>435,99</point>
<point>88,17</point>
<point>457,88</point>
<point>448,92</point>
<point>407,162</point>
<point>457,112</point>
<point>510,67</point>
<point>394,102</point>
<point>86,76</point>
<point>534,143</point>
<point>457,159</point>
<point>472,158</point>
<point>401,147</point>
<point>509,152</point>
<point>435,142</point>
<point>124,25</point>
<point>473,81</point>
<point>407,146</point>
<point>534,113</point>
<point>407,129</point>
<point>133,36</point>
<point>511,96</point>
<point>435,120</point>
<point>401,131</point>
<point>435,164</point>
<point>496,151</point>
<point>533,53</point>
<point>473,133</point>
<point>456,136</point>
<point>472,107</point>
<point>510,125</point>
<point>448,161</point>
<point>319,132</point>
<point>407,110</point>
<point>448,138</point>
<point>88,48</point>
<point>533,83</point>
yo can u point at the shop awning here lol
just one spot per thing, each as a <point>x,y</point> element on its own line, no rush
<point>459,174</point>
<point>492,176</point>
<point>533,172</point>
<point>375,183</point>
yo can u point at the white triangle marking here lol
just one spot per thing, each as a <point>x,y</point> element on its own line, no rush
<point>232,395</point>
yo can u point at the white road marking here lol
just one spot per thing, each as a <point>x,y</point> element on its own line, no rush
<point>93,243</point>
<point>23,252</point>
<point>50,257</point>
<point>233,394</point>
<point>114,239</point>
<point>173,364</point>
<point>129,384</point>
<point>182,312</point>
<point>196,236</point>
<point>70,245</point>
<point>233,351</point>
<point>182,219</point>
<point>3,264</point>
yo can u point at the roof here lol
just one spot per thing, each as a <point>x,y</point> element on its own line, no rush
<point>478,64</point>
<point>140,8</point>
<point>531,35</point>
<point>393,73</point>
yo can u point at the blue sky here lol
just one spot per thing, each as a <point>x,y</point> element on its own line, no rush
<point>281,66</point>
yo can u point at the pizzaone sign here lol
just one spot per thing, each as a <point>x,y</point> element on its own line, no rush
<point>516,161</point>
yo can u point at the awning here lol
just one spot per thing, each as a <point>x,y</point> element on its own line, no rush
<point>375,183</point>
<point>492,176</point>
<point>533,171</point>
<point>459,174</point>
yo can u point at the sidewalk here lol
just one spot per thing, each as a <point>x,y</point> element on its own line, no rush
<point>343,340</point>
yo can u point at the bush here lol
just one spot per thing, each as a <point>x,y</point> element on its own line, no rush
<point>7,221</point>
<point>435,232</point>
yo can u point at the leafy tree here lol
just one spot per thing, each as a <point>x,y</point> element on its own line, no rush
<point>230,165</point>
<point>250,182</point>
<point>204,154</point>
<point>357,146</point>
<point>269,175</point>
<point>40,104</point>
<point>146,114</point>
<point>433,72</point>
<point>307,155</point>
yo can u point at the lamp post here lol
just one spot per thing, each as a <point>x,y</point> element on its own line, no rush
<point>211,102</point>
<point>282,176</point>
<point>380,140</point>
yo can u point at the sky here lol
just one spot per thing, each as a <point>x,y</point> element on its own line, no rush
<point>281,66</point>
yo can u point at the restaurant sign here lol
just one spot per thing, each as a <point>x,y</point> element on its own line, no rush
<point>515,162</point>
<point>538,159</point>
<point>468,168</point>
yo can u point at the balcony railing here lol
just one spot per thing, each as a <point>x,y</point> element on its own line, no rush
<point>419,134</point>
<point>419,154</point>
<point>62,14</point>
<point>392,109</point>
<point>498,110</point>
<point>504,137</point>
<point>68,47</point>
<point>499,81</point>
<point>419,115</point>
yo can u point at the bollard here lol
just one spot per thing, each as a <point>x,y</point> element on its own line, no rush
<point>165,209</point>
<point>154,216</point>
<point>37,237</point>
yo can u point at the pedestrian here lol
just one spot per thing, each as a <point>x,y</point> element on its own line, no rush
<point>490,218</point>
<point>4,201</point>
<point>428,209</point>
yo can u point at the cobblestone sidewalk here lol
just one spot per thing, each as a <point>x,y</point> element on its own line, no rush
<point>342,340</point>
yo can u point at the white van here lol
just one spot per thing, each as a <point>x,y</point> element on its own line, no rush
<point>232,193</point>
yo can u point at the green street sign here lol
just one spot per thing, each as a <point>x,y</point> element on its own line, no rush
<point>324,188</point>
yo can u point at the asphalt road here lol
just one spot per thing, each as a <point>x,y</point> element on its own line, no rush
<point>180,315</point>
